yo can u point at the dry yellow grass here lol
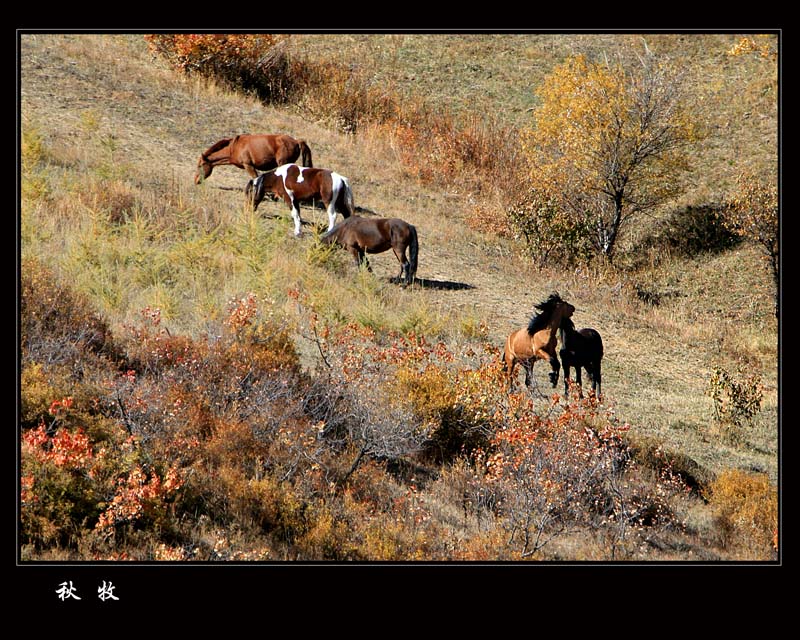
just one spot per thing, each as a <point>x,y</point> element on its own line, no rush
<point>102,105</point>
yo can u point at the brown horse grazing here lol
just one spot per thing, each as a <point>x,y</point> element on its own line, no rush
<point>253,151</point>
<point>303,184</point>
<point>580,348</point>
<point>375,235</point>
<point>537,341</point>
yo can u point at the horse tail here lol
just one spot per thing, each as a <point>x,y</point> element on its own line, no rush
<point>507,365</point>
<point>305,154</point>
<point>413,251</point>
<point>346,198</point>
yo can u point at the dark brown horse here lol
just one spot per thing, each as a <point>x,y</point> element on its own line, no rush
<point>375,235</point>
<point>537,341</point>
<point>580,348</point>
<point>303,184</point>
<point>253,151</point>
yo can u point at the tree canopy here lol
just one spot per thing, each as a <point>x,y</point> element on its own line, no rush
<point>608,142</point>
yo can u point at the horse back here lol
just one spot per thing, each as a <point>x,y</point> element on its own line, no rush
<point>307,182</point>
<point>593,341</point>
<point>372,236</point>
<point>265,150</point>
<point>379,235</point>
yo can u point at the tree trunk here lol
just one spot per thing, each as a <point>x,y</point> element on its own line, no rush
<point>609,232</point>
<point>354,466</point>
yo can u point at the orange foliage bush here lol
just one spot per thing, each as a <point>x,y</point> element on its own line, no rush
<point>67,480</point>
<point>355,460</point>
<point>251,62</point>
<point>554,476</point>
<point>746,508</point>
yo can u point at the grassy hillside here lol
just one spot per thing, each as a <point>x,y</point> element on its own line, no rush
<point>111,137</point>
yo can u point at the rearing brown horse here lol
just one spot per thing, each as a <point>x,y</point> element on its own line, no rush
<point>537,341</point>
<point>248,151</point>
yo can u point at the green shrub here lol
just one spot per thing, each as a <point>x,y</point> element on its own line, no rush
<point>550,233</point>
<point>457,406</point>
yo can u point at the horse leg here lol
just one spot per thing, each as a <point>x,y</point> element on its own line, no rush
<point>296,216</point>
<point>595,375</point>
<point>508,366</point>
<point>555,365</point>
<point>404,276</point>
<point>331,213</point>
<point>253,193</point>
<point>578,380</point>
<point>360,257</point>
<point>565,366</point>
<point>356,255</point>
<point>543,354</point>
<point>528,366</point>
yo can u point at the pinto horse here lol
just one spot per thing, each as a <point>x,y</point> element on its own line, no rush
<point>537,341</point>
<point>580,348</point>
<point>302,184</point>
<point>253,151</point>
<point>375,235</point>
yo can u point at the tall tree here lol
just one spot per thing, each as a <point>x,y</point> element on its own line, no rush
<point>608,141</point>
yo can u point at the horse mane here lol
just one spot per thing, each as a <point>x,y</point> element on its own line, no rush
<point>540,320</point>
<point>567,324</point>
<point>217,146</point>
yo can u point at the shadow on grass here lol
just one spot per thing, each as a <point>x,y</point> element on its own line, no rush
<point>442,285</point>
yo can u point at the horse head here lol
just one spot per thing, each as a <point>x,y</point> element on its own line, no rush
<point>556,307</point>
<point>204,168</point>
<point>551,311</point>
<point>566,310</point>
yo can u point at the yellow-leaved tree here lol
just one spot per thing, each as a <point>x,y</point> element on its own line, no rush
<point>608,142</point>
<point>753,214</point>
